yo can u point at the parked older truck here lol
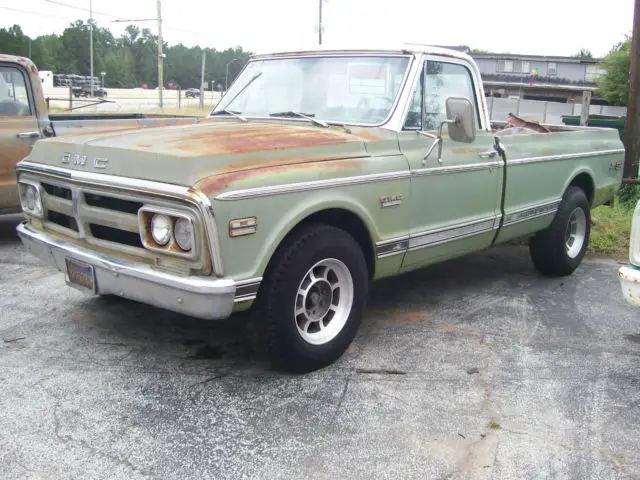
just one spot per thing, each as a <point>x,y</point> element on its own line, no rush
<point>318,172</point>
<point>24,119</point>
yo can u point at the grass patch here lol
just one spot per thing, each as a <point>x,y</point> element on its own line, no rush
<point>610,231</point>
<point>494,425</point>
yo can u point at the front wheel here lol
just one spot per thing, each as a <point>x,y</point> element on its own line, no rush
<point>313,298</point>
<point>558,250</point>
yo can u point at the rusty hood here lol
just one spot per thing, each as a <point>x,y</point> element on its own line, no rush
<point>188,154</point>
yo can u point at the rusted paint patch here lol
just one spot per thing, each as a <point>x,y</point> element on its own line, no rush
<point>258,137</point>
<point>465,151</point>
<point>515,121</point>
<point>217,183</point>
<point>263,162</point>
<point>367,134</point>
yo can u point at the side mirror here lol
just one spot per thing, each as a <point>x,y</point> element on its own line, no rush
<point>461,125</point>
<point>460,122</point>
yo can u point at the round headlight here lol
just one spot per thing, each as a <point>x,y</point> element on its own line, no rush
<point>30,197</point>
<point>183,233</point>
<point>161,229</point>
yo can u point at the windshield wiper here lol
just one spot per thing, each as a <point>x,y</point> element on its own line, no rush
<point>251,80</point>
<point>308,116</point>
<point>230,112</point>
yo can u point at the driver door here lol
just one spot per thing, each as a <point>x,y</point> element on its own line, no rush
<point>18,131</point>
<point>455,202</point>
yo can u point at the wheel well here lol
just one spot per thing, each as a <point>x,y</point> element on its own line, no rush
<point>584,182</point>
<point>350,223</point>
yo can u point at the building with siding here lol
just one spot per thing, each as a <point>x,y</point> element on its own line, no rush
<point>509,75</point>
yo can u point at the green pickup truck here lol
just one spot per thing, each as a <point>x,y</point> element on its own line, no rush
<point>318,172</point>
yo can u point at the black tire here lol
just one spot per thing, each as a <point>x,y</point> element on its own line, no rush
<point>549,248</point>
<point>279,297</point>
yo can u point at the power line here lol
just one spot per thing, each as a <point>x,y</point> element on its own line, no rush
<point>31,12</point>
<point>75,7</point>
<point>120,19</point>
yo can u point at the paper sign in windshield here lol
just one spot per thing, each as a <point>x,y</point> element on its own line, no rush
<point>368,79</point>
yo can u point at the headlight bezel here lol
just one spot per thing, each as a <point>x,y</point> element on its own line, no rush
<point>145,216</point>
<point>23,185</point>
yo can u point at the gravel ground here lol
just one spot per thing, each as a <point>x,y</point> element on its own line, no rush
<point>475,368</point>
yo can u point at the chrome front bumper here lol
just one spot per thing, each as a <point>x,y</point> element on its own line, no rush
<point>202,297</point>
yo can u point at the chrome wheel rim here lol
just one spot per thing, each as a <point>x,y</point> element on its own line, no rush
<point>575,233</point>
<point>323,301</point>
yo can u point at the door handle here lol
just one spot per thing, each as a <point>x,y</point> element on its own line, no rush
<point>28,134</point>
<point>488,154</point>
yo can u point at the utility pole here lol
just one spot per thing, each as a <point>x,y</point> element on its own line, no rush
<point>632,130</point>
<point>204,59</point>
<point>160,54</point>
<point>91,44</point>
<point>320,22</point>
<point>586,105</point>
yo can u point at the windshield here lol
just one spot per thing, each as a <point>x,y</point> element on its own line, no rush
<point>355,89</point>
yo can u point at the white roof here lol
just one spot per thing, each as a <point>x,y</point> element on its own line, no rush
<point>402,48</point>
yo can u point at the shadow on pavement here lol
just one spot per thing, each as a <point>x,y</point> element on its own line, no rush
<point>176,340</point>
<point>8,224</point>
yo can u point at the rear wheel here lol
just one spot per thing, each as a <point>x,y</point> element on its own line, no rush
<point>313,297</point>
<point>558,250</point>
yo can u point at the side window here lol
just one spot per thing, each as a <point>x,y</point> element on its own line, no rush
<point>414,115</point>
<point>14,99</point>
<point>441,81</point>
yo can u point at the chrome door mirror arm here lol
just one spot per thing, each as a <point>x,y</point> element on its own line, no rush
<point>437,142</point>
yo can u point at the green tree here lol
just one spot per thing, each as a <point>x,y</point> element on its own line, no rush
<point>584,53</point>
<point>13,41</point>
<point>120,68</point>
<point>45,52</point>
<point>128,61</point>
<point>613,86</point>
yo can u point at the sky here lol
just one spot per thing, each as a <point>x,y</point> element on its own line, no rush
<point>543,27</point>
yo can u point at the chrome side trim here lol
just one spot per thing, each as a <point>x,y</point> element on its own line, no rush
<point>419,172</point>
<point>166,190</point>
<point>447,234</point>
<point>531,212</point>
<point>247,289</point>
<point>438,236</point>
<point>389,248</point>
<point>566,156</point>
<point>348,181</point>
<point>312,185</point>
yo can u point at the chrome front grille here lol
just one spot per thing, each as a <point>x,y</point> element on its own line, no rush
<point>107,219</point>
<point>101,219</point>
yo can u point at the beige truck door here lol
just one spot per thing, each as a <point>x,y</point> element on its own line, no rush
<point>18,131</point>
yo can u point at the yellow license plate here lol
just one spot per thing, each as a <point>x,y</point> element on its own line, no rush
<point>80,275</point>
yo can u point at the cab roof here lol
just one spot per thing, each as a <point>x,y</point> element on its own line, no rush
<point>407,48</point>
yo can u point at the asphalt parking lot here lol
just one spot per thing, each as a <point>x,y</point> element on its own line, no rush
<point>475,368</point>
